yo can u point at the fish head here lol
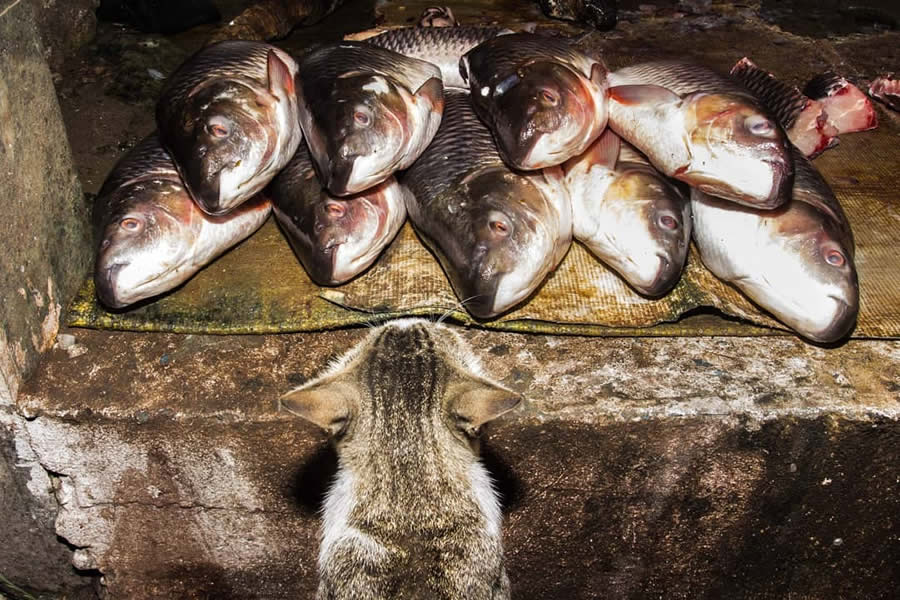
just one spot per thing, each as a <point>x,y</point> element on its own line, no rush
<point>649,223</point>
<point>814,287</point>
<point>143,245</point>
<point>348,230</point>
<point>508,244</point>
<point>544,113</point>
<point>363,133</point>
<point>226,138</point>
<point>738,151</point>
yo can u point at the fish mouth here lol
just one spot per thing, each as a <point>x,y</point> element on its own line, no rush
<point>105,286</point>
<point>664,279</point>
<point>782,184</point>
<point>840,326</point>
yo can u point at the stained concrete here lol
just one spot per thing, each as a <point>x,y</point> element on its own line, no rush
<point>43,218</point>
<point>677,468</point>
<point>636,468</point>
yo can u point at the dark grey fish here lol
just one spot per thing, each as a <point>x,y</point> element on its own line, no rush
<point>704,129</point>
<point>335,239</point>
<point>543,100</point>
<point>795,261</point>
<point>366,112</point>
<point>229,118</point>
<point>151,235</point>
<point>441,46</point>
<point>629,215</point>
<point>497,233</point>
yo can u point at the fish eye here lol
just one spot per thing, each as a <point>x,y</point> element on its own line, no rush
<point>335,209</point>
<point>362,118</point>
<point>835,258</point>
<point>668,222</point>
<point>548,97</point>
<point>759,125</point>
<point>499,225</point>
<point>130,224</point>
<point>218,128</point>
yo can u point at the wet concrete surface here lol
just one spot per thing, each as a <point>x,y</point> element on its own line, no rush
<point>704,467</point>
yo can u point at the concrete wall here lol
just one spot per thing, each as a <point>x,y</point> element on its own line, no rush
<point>44,240</point>
<point>44,252</point>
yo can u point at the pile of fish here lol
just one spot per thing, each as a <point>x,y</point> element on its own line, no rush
<point>501,147</point>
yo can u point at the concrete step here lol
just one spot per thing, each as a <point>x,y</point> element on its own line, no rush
<point>637,468</point>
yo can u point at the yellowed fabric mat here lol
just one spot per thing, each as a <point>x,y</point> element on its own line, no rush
<point>260,287</point>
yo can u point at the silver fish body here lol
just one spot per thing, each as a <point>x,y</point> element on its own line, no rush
<point>543,100</point>
<point>441,46</point>
<point>704,129</point>
<point>151,235</point>
<point>366,112</point>
<point>229,117</point>
<point>335,238</point>
<point>498,233</point>
<point>797,261</point>
<point>629,215</point>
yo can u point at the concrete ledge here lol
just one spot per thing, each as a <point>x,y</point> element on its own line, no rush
<point>638,468</point>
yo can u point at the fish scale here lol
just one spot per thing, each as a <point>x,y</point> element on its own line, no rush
<point>147,159</point>
<point>228,60</point>
<point>441,46</point>
<point>505,53</point>
<point>326,64</point>
<point>460,128</point>
<point>681,78</point>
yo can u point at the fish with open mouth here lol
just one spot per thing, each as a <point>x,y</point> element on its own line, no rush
<point>229,119</point>
<point>543,100</point>
<point>629,215</point>
<point>796,261</point>
<point>703,129</point>
<point>441,46</point>
<point>497,233</point>
<point>151,235</point>
<point>335,239</point>
<point>366,112</point>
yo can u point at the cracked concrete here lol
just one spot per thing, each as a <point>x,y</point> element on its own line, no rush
<point>739,468</point>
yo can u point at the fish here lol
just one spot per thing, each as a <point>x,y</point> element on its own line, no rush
<point>334,238</point>
<point>438,16</point>
<point>366,112</point>
<point>151,235</point>
<point>229,117</point>
<point>804,120</point>
<point>543,100</point>
<point>599,14</point>
<point>629,215</point>
<point>497,233</point>
<point>441,46</point>
<point>796,262</point>
<point>848,109</point>
<point>887,90</point>
<point>704,129</point>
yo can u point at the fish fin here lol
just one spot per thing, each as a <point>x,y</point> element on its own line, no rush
<point>280,76</point>
<point>642,94</point>
<point>433,91</point>
<point>474,401</point>
<point>324,403</point>
<point>605,151</point>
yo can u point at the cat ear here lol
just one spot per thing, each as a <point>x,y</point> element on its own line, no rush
<point>473,402</point>
<point>326,403</point>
